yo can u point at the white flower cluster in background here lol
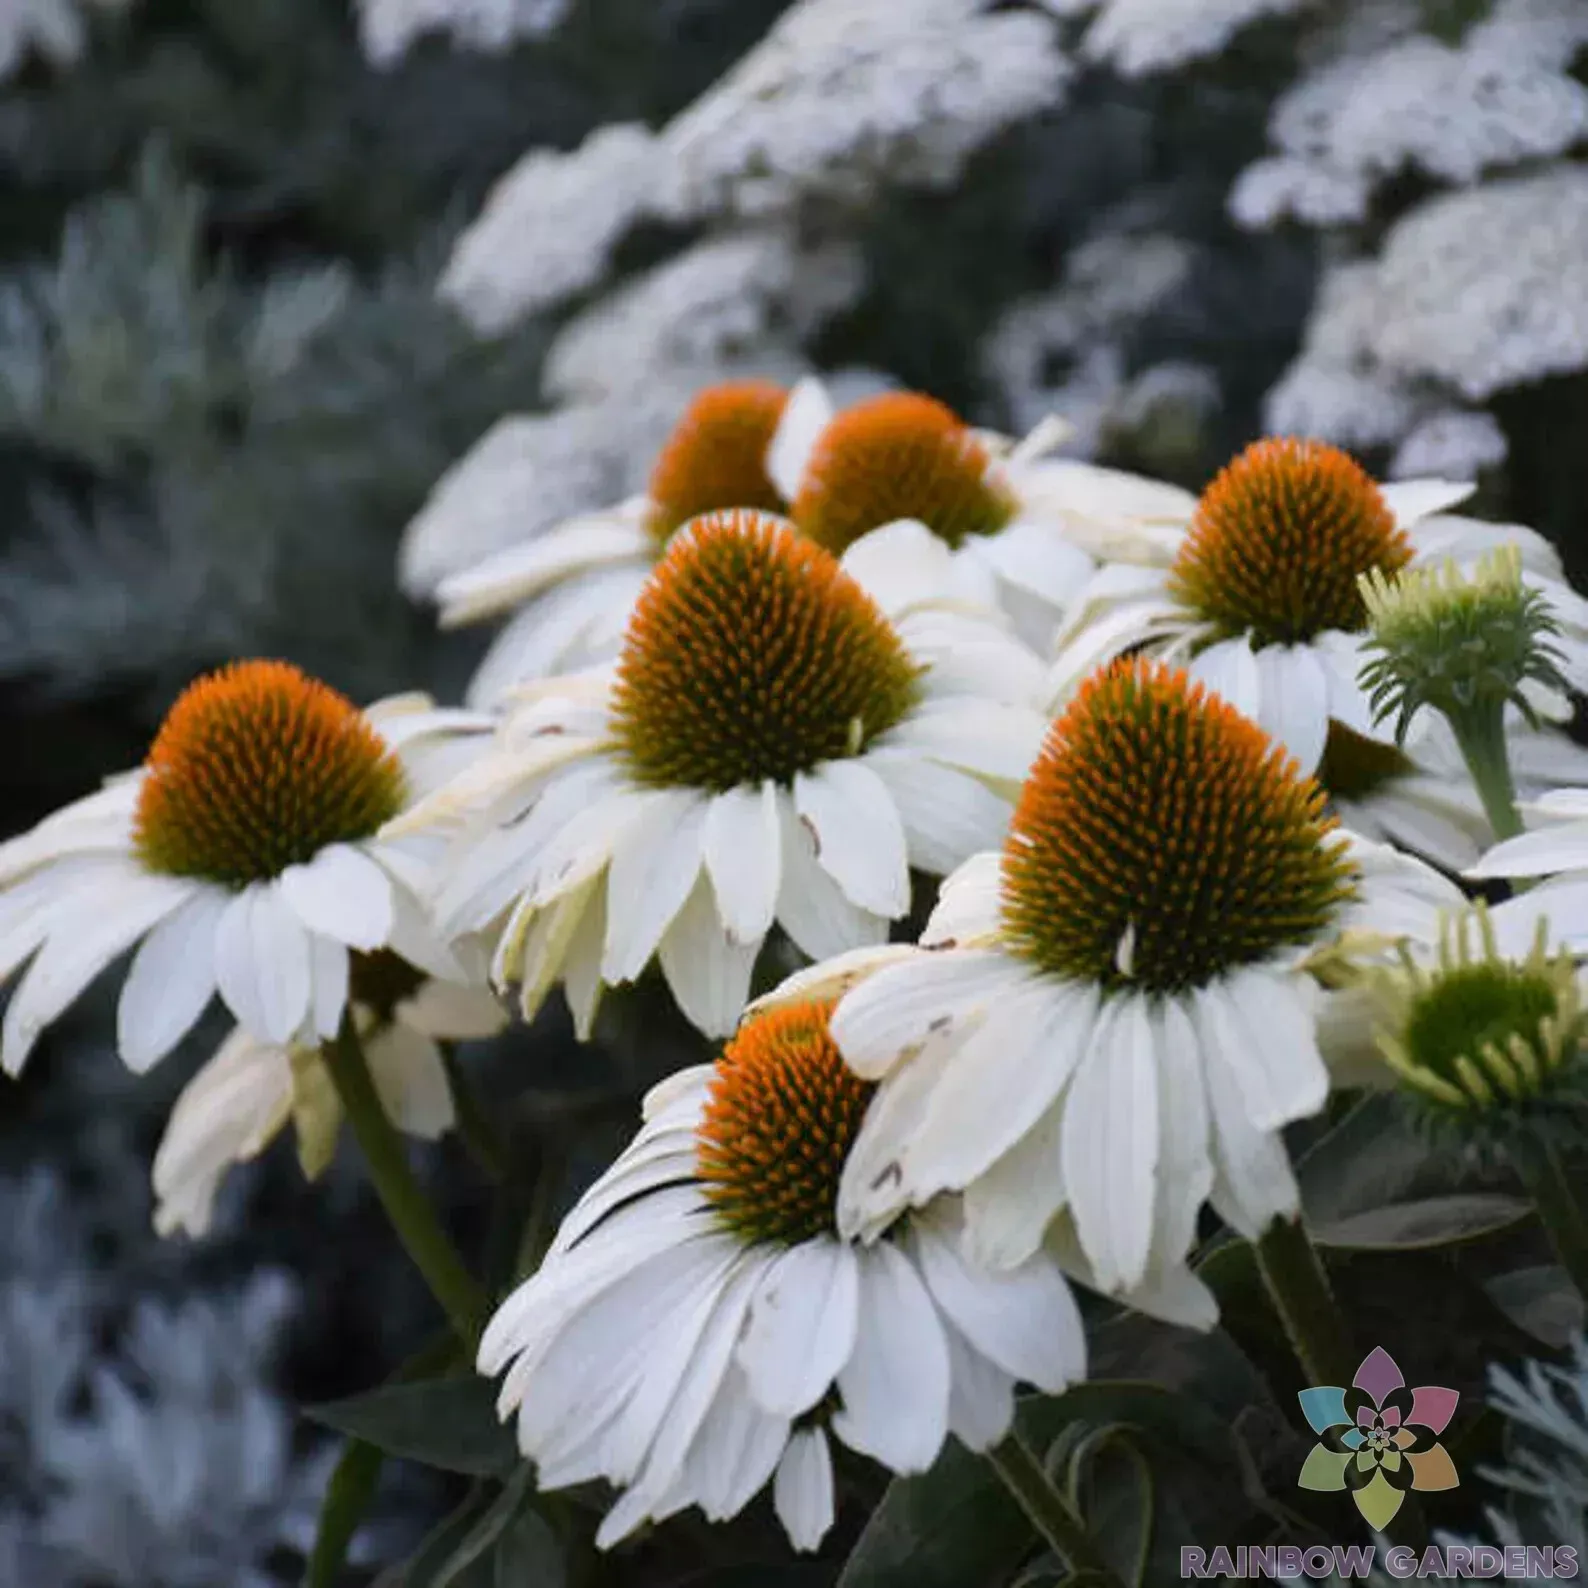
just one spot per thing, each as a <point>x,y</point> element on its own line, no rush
<point>1062,351</point>
<point>1141,36</point>
<point>1504,94</point>
<point>389,27</point>
<point>842,97</point>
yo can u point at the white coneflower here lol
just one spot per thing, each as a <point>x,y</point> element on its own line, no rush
<point>572,587</point>
<point>777,743</point>
<point>1259,597</point>
<point>249,1090</point>
<point>1111,1020</point>
<point>1006,512</point>
<point>700,1328</point>
<point>242,858</point>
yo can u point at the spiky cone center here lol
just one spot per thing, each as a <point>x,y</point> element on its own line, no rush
<point>1161,840</point>
<point>715,457</point>
<point>1279,541</point>
<point>782,1113</point>
<point>1476,1033</point>
<point>750,655</point>
<point>258,767</point>
<point>900,455</point>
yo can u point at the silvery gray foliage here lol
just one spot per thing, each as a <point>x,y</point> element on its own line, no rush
<point>54,29</point>
<point>1544,1480</point>
<point>165,1457</point>
<point>388,27</point>
<point>1138,37</point>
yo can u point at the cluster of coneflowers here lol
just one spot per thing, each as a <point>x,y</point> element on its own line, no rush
<point>1188,783</point>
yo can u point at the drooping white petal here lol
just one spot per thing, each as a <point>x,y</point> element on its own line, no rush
<point>654,867</point>
<point>1009,1207</point>
<point>743,849</point>
<point>736,1450</point>
<point>451,1011</point>
<point>1229,670</point>
<point>895,1385</point>
<point>223,1116</point>
<point>981,1397</point>
<point>1024,1319</point>
<point>1410,501</point>
<point>1006,1071</point>
<point>1185,1164</point>
<point>1559,847</point>
<point>341,894</point>
<point>1293,708</point>
<point>892,1014</point>
<point>84,937</point>
<point>811,907</point>
<point>1036,556</point>
<point>1262,1021</point>
<point>991,739</point>
<point>708,972</point>
<point>171,979</point>
<point>1110,1142</point>
<point>330,967</point>
<point>948,815</point>
<point>411,1081</point>
<point>263,963</point>
<point>805,415</point>
<point>802,1325</point>
<point>802,1491</point>
<point>969,904</point>
<point>902,566</point>
<point>859,838</point>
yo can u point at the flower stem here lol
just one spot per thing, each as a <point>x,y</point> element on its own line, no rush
<point>406,1205</point>
<point>1299,1289</point>
<point>1050,1512</point>
<point>484,1146</point>
<point>1480,733</point>
<point>1559,1209</point>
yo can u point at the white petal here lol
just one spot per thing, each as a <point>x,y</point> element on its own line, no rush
<point>262,963</point>
<point>895,1386</point>
<point>1005,1074</point>
<point>1111,1145</point>
<point>1293,709</point>
<point>224,1115</point>
<point>514,575</point>
<point>341,894</point>
<point>1230,670</point>
<point>1537,854</point>
<point>1252,1182</point>
<point>802,1491</point>
<point>450,1011</point>
<point>1412,500</point>
<point>969,904</point>
<point>1263,1022</point>
<point>1009,1208</point>
<point>995,740</point>
<point>893,1013</point>
<point>1036,556</point>
<point>171,979</point>
<point>902,566</point>
<point>708,973</point>
<point>981,1399</point>
<point>736,1450</point>
<point>744,859</point>
<point>411,1081</point>
<point>859,837</point>
<point>802,1325</point>
<point>1185,1165</point>
<point>948,815</point>
<point>99,928</point>
<point>329,970</point>
<point>1024,1319</point>
<point>811,907</point>
<point>654,866</point>
<point>805,415</point>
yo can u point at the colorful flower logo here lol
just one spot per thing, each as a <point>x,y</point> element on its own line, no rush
<point>1378,1439</point>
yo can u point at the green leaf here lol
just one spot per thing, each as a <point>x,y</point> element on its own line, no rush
<point>446,1423</point>
<point>1113,1486</point>
<point>1426,1222</point>
<point>1542,1301</point>
<point>957,1524</point>
<point>469,1556</point>
<point>1371,1157</point>
<point>347,1497</point>
<point>439,1546</point>
<point>529,1554</point>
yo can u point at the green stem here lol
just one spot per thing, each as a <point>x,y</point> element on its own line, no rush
<point>406,1205</point>
<point>1559,1208</point>
<point>1481,735</point>
<point>1050,1512</point>
<point>479,1135</point>
<point>1299,1289</point>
